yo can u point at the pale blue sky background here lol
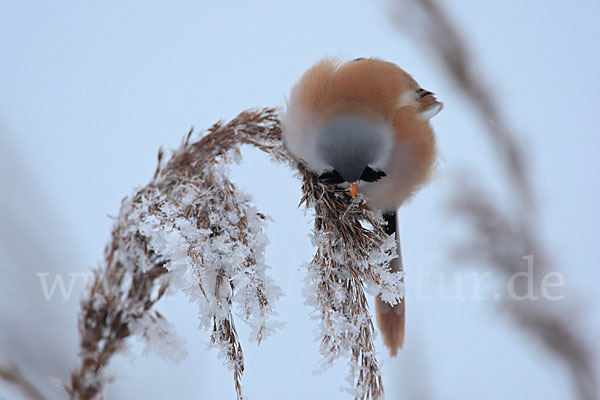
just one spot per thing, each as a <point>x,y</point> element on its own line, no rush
<point>90,90</point>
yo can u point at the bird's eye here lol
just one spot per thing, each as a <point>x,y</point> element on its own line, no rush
<point>370,175</point>
<point>332,177</point>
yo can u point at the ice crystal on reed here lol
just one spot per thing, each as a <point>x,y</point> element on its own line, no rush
<point>191,229</point>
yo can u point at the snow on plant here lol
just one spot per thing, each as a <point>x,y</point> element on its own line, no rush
<point>191,229</point>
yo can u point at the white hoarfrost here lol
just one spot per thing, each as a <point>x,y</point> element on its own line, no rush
<point>194,223</point>
<point>160,337</point>
<point>390,285</point>
<point>334,290</point>
<point>212,242</point>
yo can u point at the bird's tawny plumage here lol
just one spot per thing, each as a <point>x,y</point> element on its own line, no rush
<point>365,124</point>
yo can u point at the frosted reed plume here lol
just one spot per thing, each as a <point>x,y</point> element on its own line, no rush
<point>352,251</point>
<point>501,238</point>
<point>191,229</point>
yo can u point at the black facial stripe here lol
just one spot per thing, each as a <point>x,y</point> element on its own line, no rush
<point>370,175</point>
<point>423,93</point>
<point>331,177</point>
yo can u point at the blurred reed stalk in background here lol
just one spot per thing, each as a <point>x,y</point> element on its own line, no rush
<point>35,333</point>
<point>502,238</point>
<point>12,375</point>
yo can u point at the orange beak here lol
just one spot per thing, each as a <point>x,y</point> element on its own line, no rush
<point>352,189</point>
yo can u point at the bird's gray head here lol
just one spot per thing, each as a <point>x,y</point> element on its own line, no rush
<point>355,149</point>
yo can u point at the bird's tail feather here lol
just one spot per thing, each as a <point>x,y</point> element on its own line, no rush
<point>390,320</point>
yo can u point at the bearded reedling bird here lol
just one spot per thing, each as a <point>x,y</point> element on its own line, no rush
<point>364,125</point>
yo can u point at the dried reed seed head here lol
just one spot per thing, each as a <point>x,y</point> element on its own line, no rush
<point>191,201</point>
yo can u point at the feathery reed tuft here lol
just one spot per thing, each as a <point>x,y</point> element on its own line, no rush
<point>191,229</point>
